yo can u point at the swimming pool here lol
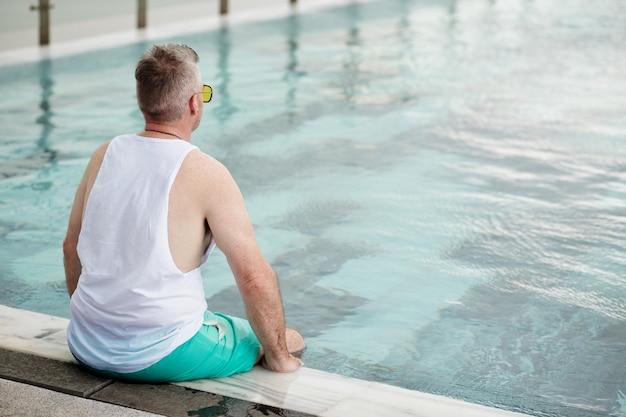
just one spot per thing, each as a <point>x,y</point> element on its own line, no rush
<point>438,184</point>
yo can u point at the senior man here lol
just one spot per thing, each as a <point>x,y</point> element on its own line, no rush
<point>147,213</point>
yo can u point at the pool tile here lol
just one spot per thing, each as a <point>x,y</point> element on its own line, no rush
<point>49,373</point>
<point>177,401</point>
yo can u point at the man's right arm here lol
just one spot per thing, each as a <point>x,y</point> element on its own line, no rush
<point>258,284</point>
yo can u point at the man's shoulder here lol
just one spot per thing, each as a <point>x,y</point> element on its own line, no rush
<point>203,164</point>
<point>96,157</point>
<point>102,148</point>
<point>205,169</point>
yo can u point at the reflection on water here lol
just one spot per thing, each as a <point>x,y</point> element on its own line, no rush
<point>438,184</point>
<point>43,154</point>
<point>292,72</point>
<point>352,79</point>
<point>225,108</point>
<point>45,119</point>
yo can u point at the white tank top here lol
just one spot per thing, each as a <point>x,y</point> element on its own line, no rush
<point>133,305</point>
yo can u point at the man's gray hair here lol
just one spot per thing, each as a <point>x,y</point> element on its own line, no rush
<point>167,75</point>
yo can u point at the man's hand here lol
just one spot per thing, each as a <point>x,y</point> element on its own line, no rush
<point>285,364</point>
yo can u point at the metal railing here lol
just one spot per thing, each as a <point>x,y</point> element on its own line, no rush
<point>44,20</point>
<point>142,13</point>
<point>45,6</point>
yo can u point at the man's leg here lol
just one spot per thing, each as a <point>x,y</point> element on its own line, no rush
<point>295,343</point>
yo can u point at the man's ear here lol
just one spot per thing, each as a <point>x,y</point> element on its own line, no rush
<point>194,106</point>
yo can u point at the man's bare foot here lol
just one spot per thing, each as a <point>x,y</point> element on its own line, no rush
<point>295,342</point>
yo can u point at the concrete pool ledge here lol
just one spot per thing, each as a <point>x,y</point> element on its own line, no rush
<point>37,341</point>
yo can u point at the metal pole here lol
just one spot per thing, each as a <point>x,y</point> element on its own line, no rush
<point>44,21</point>
<point>223,7</point>
<point>141,14</point>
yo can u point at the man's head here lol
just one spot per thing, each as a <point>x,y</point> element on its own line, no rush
<point>168,80</point>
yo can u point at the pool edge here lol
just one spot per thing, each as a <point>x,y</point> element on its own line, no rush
<point>308,390</point>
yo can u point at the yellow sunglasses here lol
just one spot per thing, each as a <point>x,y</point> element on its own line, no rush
<point>207,93</point>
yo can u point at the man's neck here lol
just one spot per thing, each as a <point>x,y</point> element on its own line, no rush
<point>167,131</point>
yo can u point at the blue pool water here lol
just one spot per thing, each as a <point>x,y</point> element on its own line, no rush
<point>440,186</point>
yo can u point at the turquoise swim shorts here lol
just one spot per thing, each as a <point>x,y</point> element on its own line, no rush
<point>224,345</point>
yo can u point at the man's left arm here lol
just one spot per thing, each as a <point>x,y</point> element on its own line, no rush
<point>71,261</point>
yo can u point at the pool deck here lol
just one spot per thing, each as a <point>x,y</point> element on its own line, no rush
<point>178,23</point>
<point>33,351</point>
<point>73,19</point>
